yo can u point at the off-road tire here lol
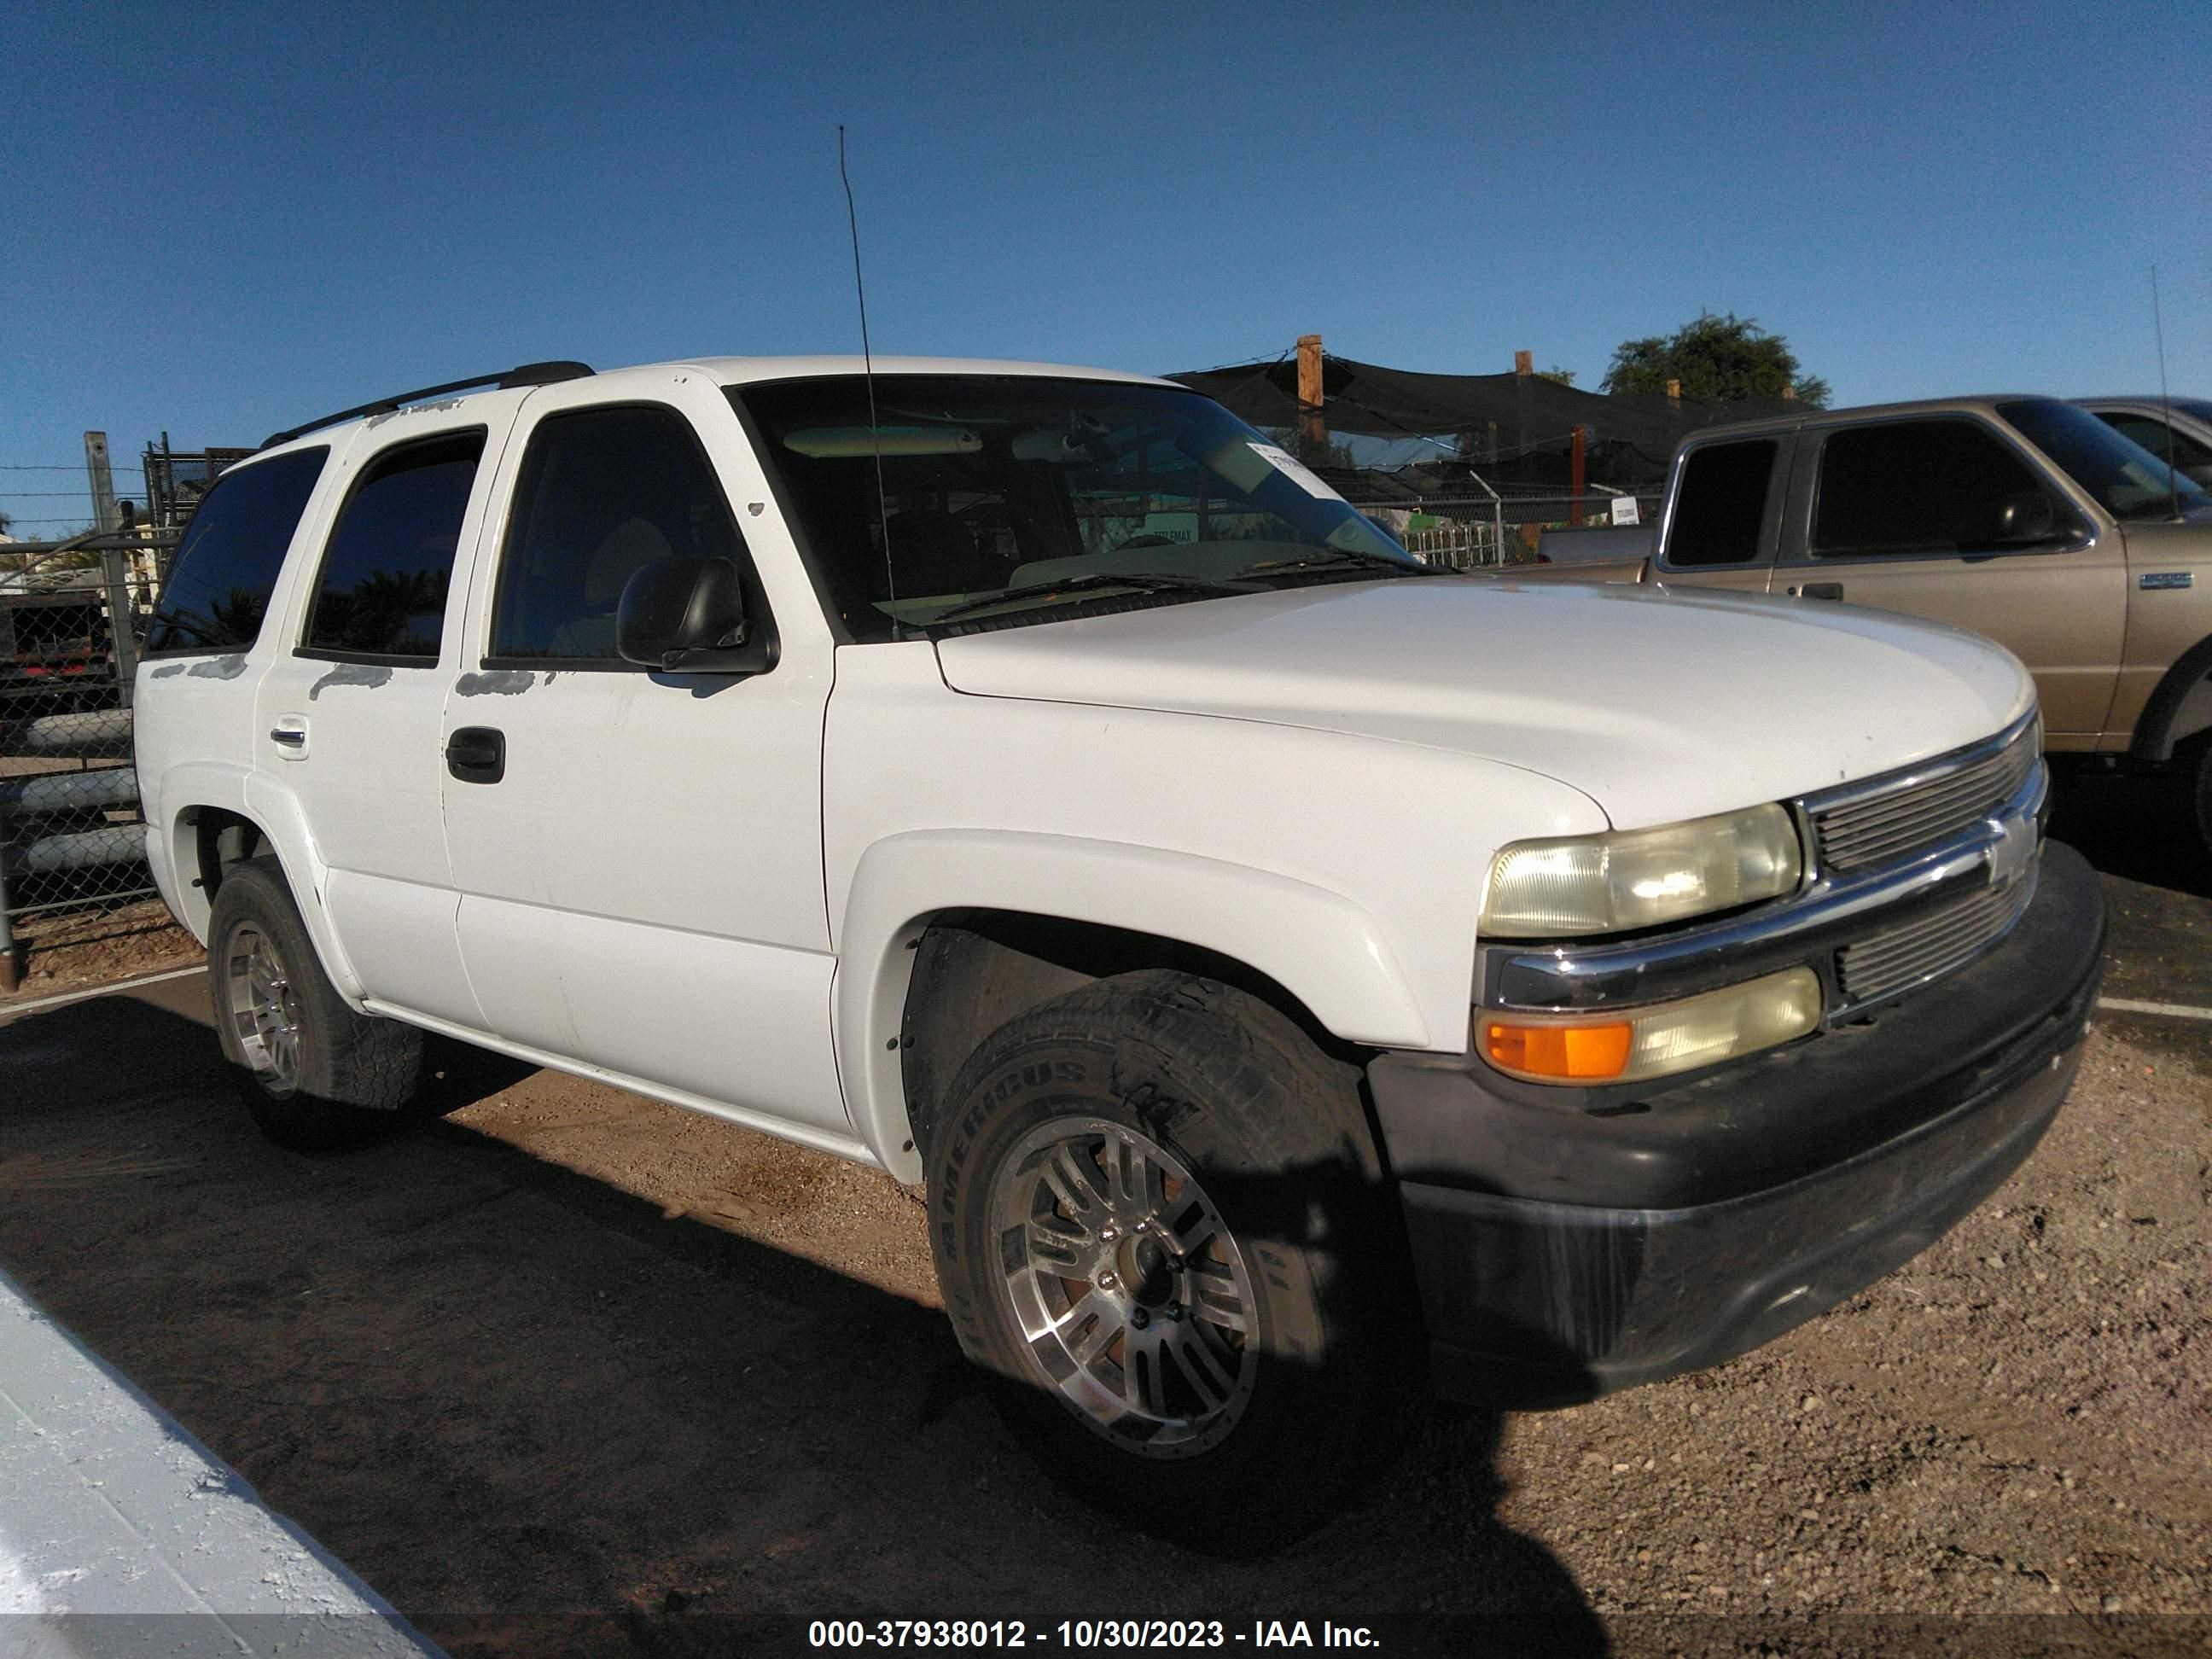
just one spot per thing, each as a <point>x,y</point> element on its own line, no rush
<point>1273,1134</point>
<point>349,1071</point>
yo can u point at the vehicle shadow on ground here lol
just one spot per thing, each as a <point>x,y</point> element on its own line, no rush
<point>2135,827</point>
<point>538,1414</point>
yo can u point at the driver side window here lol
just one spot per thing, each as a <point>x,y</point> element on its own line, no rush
<point>603,493</point>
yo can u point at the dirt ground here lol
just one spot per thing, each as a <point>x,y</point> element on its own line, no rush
<point>565,1370</point>
<point>64,950</point>
<point>568,1350</point>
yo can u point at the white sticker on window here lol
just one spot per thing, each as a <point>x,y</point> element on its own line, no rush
<point>1295,471</point>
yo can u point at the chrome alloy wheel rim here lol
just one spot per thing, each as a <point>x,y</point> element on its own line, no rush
<point>1128,1289</point>
<point>265,1013</point>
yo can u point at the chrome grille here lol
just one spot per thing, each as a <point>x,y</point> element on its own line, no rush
<point>1872,830</point>
<point>1930,944</point>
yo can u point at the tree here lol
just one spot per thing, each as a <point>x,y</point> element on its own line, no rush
<point>1720,358</point>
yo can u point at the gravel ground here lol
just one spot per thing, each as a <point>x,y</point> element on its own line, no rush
<point>568,1371</point>
<point>2015,1422</point>
<point>65,951</point>
<point>568,1349</point>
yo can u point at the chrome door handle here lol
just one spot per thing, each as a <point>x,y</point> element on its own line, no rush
<point>290,734</point>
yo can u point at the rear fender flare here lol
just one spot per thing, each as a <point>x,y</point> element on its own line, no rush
<point>275,811</point>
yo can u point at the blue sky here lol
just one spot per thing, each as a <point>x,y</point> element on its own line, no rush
<point>221,221</point>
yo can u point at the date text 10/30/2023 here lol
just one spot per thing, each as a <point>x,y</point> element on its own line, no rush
<point>1084,1633</point>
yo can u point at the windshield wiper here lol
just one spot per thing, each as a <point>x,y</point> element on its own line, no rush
<point>1144,581</point>
<point>1340,558</point>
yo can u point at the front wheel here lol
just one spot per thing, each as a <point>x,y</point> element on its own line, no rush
<point>1158,1217</point>
<point>313,1073</point>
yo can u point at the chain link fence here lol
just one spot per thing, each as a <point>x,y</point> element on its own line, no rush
<point>71,617</point>
<point>1500,526</point>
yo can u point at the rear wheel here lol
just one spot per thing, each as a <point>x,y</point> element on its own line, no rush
<point>312,1072</point>
<point>1158,1217</point>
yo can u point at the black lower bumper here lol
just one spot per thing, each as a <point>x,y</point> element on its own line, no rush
<point>1570,1243</point>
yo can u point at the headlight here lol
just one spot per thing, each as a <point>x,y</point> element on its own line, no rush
<point>1635,1043</point>
<point>1575,886</point>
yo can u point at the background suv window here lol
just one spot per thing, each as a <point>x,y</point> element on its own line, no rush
<point>226,566</point>
<point>389,562</point>
<point>1915,487</point>
<point>1722,503</point>
<point>2154,435</point>
<point>603,493</point>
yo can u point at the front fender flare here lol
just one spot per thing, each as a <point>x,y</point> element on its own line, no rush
<point>1319,945</point>
<point>2176,709</point>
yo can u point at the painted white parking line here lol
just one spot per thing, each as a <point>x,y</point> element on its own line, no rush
<point>118,1524</point>
<point>9,1009</point>
<point>2172,1010</point>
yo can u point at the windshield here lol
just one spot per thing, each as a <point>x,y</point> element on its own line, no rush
<point>2128,481</point>
<point>1013,499</point>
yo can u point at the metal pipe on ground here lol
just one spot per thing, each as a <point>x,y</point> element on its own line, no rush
<point>70,734</point>
<point>69,792</point>
<point>80,849</point>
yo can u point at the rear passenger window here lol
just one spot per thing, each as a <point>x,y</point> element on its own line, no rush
<point>603,492</point>
<point>1720,503</point>
<point>389,562</point>
<point>226,567</point>
<point>1914,487</point>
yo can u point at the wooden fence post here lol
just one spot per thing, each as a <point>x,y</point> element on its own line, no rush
<point>1312,427</point>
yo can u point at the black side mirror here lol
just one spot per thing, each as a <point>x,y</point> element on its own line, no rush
<point>685,615</point>
<point>2021,520</point>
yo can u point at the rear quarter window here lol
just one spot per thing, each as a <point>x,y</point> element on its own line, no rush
<point>226,567</point>
<point>1720,505</point>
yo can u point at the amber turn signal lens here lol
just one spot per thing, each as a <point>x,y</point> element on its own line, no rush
<point>1657,1039</point>
<point>1567,1052</point>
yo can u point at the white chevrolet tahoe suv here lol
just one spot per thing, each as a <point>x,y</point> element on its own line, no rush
<point>1298,976</point>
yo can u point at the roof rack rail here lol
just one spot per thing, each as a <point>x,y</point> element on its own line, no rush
<point>523,374</point>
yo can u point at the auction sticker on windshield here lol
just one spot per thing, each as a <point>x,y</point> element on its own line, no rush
<point>1295,470</point>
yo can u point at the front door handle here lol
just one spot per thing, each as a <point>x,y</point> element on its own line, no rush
<point>477,754</point>
<point>1819,590</point>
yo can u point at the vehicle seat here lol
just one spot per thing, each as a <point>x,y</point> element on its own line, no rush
<point>933,553</point>
<point>625,549</point>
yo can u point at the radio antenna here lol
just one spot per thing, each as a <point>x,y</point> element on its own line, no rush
<point>2165,403</point>
<point>868,374</point>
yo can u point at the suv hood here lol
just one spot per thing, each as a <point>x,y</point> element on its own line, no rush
<point>1658,704</point>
